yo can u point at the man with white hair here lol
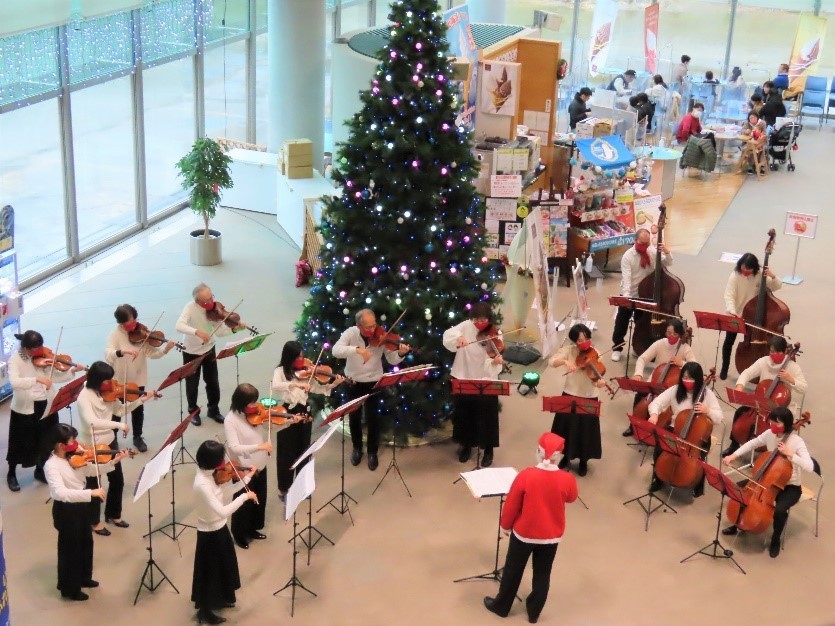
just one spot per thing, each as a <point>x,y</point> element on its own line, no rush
<point>534,517</point>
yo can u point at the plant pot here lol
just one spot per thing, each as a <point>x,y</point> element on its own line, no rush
<point>205,250</point>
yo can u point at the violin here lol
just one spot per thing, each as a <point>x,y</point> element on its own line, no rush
<point>229,471</point>
<point>772,473</point>
<point>103,453</point>
<point>154,338</point>
<point>117,391</point>
<point>751,423</point>
<point>322,374</point>
<point>218,313</point>
<point>257,414</point>
<point>387,339</point>
<point>589,361</point>
<point>61,362</point>
<point>764,311</point>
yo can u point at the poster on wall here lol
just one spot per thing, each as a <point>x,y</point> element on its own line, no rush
<point>499,88</point>
<point>602,27</point>
<point>651,37</point>
<point>647,213</point>
<point>536,226</point>
<point>462,44</point>
<point>808,45</point>
<point>6,228</point>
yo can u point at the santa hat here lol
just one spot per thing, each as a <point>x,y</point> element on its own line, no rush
<point>549,443</point>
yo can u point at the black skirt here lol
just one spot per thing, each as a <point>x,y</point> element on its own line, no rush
<point>581,433</point>
<point>27,434</point>
<point>475,420</point>
<point>216,575</point>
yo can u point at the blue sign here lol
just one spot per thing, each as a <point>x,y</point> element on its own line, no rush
<point>611,242</point>
<point>607,152</point>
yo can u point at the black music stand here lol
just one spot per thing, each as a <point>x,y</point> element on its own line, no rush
<point>478,387</point>
<point>412,374</point>
<point>178,376</point>
<point>729,488</point>
<point>651,435</point>
<point>721,322</point>
<point>344,498</point>
<point>66,396</point>
<point>639,386</point>
<point>237,348</point>
<point>632,304</point>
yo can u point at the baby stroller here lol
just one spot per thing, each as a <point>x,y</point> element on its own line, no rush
<point>781,143</point>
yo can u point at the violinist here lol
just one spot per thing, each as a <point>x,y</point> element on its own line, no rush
<point>581,432</point>
<point>636,264</point>
<point>292,391</point>
<point>671,349</point>
<point>70,515</point>
<point>33,389</point>
<point>780,421</point>
<point>680,398</point>
<point>743,284</point>
<point>97,421</point>
<point>216,576</point>
<point>768,368</point>
<point>475,419</point>
<point>131,362</point>
<point>365,367</point>
<point>199,334</point>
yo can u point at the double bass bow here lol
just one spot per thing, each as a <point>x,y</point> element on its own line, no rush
<point>665,289</point>
<point>765,315</point>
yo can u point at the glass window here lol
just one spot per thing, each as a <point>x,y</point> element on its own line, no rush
<point>225,18</point>
<point>29,65</point>
<point>31,180</point>
<point>225,91</point>
<point>167,30</point>
<point>261,13</point>
<point>697,28</point>
<point>169,129</point>
<point>354,15</point>
<point>100,46</point>
<point>262,82</point>
<point>103,146</point>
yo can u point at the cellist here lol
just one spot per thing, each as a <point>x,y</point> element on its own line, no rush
<point>768,368</point>
<point>780,421</point>
<point>636,264</point>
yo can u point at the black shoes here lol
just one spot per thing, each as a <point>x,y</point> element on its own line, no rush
<point>628,431</point>
<point>490,605</point>
<point>216,416</point>
<point>207,617</point>
<point>90,583</point>
<point>196,421</point>
<point>102,531</point>
<point>120,524</point>
<point>356,457</point>
<point>11,480</point>
<point>258,536</point>
<point>723,375</point>
<point>78,596</point>
<point>563,464</point>
<point>730,449</point>
<point>39,475</point>
<point>464,455</point>
<point>699,490</point>
<point>372,461</point>
<point>655,485</point>
<point>584,468</point>
<point>140,444</point>
<point>241,543</point>
<point>487,461</point>
<point>730,530</point>
<point>774,548</point>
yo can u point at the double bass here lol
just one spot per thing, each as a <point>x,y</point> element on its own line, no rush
<point>766,312</point>
<point>772,473</point>
<point>665,289</point>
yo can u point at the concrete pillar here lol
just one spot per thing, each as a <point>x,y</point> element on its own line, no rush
<point>296,68</point>
<point>487,11</point>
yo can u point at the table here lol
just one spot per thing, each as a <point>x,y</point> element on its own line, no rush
<point>291,197</point>
<point>665,163</point>
<point>254,175</point>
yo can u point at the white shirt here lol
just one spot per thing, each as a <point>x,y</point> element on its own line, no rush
<point>632,273</point>
<point>192,319</point>
<point>668,400</point>
<point>658,95</point>
<point>127,368</point>
<point>96,417</point>
<point>800,461</point>
<point>292,396</point>
<point>621,87</point>
<point>765,369</point>
<point>212,509</point>
<point>346,348</point>
<point>27,390</point>
<point>740,289</point>
<point>243,440</point>
<point>471,362</point>
<point>65,483</point>
<point>662,352</point>
<point>577,383</point>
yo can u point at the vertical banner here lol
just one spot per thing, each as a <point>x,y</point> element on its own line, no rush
<point>651,38</point>
<point>4,589</point>
<point>462,44</point>
<point>602,27</point>
<point>538,263</point>
<point>808,44</point>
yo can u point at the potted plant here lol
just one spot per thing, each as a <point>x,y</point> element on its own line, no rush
<point>205,172</point>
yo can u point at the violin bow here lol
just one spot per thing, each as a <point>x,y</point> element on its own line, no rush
<point>232,465</point>
<point>515,330</point>
<point>96,458</point>
<point>269,420</point>
<point>315,365</point>
<point>55,356</point>
<point>223,321</point>
<point>620,345</point>
<point>147,336</point>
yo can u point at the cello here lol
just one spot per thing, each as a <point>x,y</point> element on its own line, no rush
<point>772,473</point>
<point>683,470</point>
<point>751,423</point>
<point>768,313</point>
<point>665,289</point>
<point>665,375</point>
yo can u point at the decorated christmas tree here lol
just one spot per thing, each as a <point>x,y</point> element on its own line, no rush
<point>406,233</point>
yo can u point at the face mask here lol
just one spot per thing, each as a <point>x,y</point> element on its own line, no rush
<point>777,429</point>
<point>688,384</point>
<point>697,114</point>
<point>298,364</point>
<point>642,247</point>
<point>673,340</point>
<point>777,357</point>
<point>746,272</point>
<point>481,325</point>
<point>366,332</point>
<point>69,448</point>
<point>208,305</point>
<point>130,326</point>
<point>584,345</point>
<point>36,352</point>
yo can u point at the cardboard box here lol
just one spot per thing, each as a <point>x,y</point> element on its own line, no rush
<point>300,160</point>
<point>594,127</point>
<point>304,171</point>
<point>297,147</point>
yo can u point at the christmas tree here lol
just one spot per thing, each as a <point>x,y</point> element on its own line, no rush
<point>405,234</point>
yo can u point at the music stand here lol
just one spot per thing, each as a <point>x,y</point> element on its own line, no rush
<point>639,386</point>
<point>632,304</point>
<point>239,347</point>
<point>652,435</point>
<point>339,414</point>
<point>720,322</point>
<point>65,396</point>
<point>490,482</point>
<point>726,487</point>
<point>177,376</point>
<point>408,375</point>
<point>479,387</point>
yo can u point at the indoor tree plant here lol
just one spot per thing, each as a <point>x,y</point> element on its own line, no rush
<point>205,171</point>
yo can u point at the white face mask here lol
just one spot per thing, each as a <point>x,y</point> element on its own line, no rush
<point>697,113</point>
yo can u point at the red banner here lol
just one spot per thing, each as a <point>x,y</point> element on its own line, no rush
<point>651,37</point>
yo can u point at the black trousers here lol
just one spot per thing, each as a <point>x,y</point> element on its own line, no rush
<point>249,518</point>
<point>27,435</point>
<point>137,418</point>
<point>785,500</point>
<point>371,411</point>
<point>209,369</point>
<point>622,325</point>
<point>75,544</point>
<point>290,444</point>
<point>115,487</point>
<point>475,421</point>
<point>727,348</point>
<point>518,553</point>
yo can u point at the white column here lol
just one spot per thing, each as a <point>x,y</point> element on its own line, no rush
<point>296,44</point>
<point>487,11</point>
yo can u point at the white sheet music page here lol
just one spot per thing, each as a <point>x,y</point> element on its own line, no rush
<point>490,481</point>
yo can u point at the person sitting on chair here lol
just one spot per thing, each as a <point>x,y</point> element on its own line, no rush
<point>751,133</point>
<point>690,125</point>
<point>579,110</point>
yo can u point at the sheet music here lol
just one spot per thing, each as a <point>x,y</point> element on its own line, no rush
<point>239,342</point>
<point>154,470</point>
<point>302,487</point>
<point>317,445</point>
<point>490,481</point>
